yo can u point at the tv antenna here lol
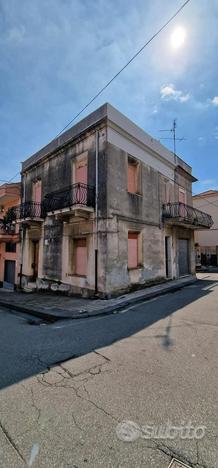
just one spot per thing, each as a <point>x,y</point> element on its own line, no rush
<point>173,131</point>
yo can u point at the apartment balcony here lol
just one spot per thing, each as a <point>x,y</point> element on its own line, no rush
<point>186,216</point>
<point>78,199</point>
<point>8,232</point>
<point>27,212</point>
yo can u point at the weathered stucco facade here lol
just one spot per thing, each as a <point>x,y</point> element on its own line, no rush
<point>92,216</point>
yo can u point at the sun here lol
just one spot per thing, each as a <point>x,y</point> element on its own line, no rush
<point>178,37</point>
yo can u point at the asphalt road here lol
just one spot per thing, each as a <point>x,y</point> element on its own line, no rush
<point>68,387</point>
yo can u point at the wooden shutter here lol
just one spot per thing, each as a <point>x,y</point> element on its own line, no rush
<point>81,257</point>
<point>81,172</point>
<point>132,250</point>
<point>132,177</point>
<point>37,191</point>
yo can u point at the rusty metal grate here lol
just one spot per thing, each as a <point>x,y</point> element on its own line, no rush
<point>177,464</point>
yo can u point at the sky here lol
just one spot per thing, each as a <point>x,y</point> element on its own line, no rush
<point>57,54</point>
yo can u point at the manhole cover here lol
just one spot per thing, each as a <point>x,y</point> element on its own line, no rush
<point>178,464</point>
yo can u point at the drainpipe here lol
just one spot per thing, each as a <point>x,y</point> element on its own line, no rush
<point>96,209</point>
<point>22,234</point>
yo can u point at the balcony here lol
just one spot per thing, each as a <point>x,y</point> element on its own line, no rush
<point>26,212</point>
<point>7,232</point>
<point>184,215</point>
<point>77,197</point>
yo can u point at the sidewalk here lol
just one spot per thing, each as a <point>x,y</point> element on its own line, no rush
<point>51,307</point>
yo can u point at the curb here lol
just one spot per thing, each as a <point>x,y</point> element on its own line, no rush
<point>108,310</point>
<point>43,315</point>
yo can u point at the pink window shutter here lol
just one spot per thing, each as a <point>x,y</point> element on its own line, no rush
<point>37,191</point>
<point>182,203</point>
<point>132,250</point>
<point>132,178</point>
<point>81,177</point>
<point>81,172</point>
<point>81,257</point>
<point>181,196</point>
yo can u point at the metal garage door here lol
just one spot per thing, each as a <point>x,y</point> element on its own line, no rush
<point>183,257</point>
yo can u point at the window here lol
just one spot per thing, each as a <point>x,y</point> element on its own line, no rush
<point>133,250</point>
<point>10,247</point>
<point>37,191</point>
<point>80,177</point>
<point>80,257</point>
<point>182,201</point>
<point>182,196</point>
<point>81,171</point>
<point>132,176</point>
<point>167,191</point>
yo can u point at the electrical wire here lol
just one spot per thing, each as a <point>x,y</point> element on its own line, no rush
<point>113,78</point>
<point>124,67</point>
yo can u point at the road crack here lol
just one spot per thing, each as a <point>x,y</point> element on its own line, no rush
<point>12,443</point>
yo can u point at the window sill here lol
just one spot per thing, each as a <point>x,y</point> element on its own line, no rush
<point>76,275</point>
<point>135,193</point>
<point>139,267</point>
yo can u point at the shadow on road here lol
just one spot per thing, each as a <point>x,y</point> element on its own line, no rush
<point>27,350</point>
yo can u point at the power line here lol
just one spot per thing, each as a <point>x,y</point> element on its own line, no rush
<point>10,180</point>
<point>113,78</point>
<point>124,67</point>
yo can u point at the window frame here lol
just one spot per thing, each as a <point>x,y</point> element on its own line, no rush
<point>134,162</point>
<point>73,255</point>
<point>10,244</point>
<point>137,236</point>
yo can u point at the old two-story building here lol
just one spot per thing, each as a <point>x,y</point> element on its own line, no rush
<point>206,241</point>
<point>106,208</point>
<point>9,236</point>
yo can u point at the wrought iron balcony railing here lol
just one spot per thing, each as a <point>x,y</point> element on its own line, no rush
<point>76,194</point>
<point>6,228</point>
<point>186,214</point>
<point>27,210</point>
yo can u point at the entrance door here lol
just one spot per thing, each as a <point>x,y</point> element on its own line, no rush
<point>35,258</point>
<point>9,274</point>
<point>183,257</point>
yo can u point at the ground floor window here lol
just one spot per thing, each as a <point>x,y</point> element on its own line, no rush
<point>133,260</point>
<point>10,247</point>
<point>80,257</point>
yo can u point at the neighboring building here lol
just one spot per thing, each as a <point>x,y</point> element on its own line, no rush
<point>9,235</point>
<point>207,240</point>
<point>104,209</point>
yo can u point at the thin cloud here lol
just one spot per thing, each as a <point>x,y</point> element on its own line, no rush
<point>209,182</point>
<point>169,93</point>
<point>214,101</point>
